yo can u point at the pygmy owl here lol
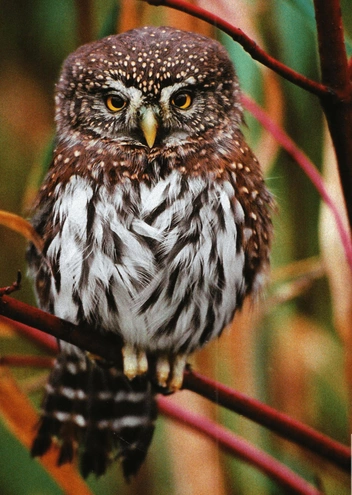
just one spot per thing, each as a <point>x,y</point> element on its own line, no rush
<point>155,221</point>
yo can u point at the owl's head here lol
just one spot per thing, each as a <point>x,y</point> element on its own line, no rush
<point>150,88</point>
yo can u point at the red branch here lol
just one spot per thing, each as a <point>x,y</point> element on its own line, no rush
<point>13,287</point>
<point>44,340</point>
<point>276,421</point>
<point>306,165</point>
<point>248,44</point>
<point>109,347</point>
<point>239,447</point>
<point>335,73</point>
<point>27,361</point>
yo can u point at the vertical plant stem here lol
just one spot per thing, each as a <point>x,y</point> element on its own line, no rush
<point>335,74</point>
<point>84,21</point>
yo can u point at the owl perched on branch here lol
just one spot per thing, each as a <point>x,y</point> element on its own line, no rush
<point>155,221</point>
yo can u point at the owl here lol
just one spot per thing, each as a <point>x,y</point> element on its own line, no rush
<point>156,225</point>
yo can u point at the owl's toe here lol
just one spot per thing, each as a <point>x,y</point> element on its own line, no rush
<point>169,372</point>
<point>134,362</point>
<point>163,371</point>
<point>178,369</point>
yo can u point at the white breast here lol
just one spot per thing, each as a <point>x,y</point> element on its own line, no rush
<point>156,264</point>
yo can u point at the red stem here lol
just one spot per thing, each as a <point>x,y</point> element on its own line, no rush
<point>239,447</point>
<point>335,73</point>
<point>48,342</point>
<point>276,421</point>
<point>84,17</point>
<point>333,57</point>
<point>109,348</point>
<point>27,361</point>
<point>248,44</point>
<point>306,165</point>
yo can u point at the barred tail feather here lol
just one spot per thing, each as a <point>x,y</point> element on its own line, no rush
<point>94,410</point>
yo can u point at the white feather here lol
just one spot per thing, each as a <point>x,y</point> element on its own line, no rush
<point>137,275</point>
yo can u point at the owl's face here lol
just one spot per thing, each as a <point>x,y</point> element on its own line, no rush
<point>150,88</point>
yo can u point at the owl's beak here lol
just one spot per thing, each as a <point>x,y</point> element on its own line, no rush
<point>149,125</point>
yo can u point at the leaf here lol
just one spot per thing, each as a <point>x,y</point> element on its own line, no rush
<point>21,419</point>
<point>307,10</point>
<point>111,21</point>
<point>21,226</point>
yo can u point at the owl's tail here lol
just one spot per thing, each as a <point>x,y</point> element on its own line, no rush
<point>96,410</point>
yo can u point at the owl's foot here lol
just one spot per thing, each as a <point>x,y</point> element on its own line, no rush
<point>134,362</point>
<point>169,372</point>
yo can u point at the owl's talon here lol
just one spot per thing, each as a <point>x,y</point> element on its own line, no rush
<point>178,369</point>
<point>163,371</point>
<point>142,362</point>
<point>134,362</point>
<point>169,372</point>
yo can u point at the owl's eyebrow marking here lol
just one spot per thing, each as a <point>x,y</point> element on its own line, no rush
<point>166,93</point>
<point>190,81</point>
<point>120,87</point>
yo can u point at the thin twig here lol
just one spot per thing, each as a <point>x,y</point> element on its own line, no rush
<point>13,287</point>
<point>248,44</point>
<point>239,447</point>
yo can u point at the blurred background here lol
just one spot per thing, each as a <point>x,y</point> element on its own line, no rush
<point>290,349</point>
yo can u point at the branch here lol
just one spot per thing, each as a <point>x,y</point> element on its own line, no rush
<point>335,74</point>
<point>44,340</point>
<point>239,447</point>
<point>13,287</point>
<point>84,19</point>
<point>333,57</point>
<point>276,421</point>
<point>26,361</point>
<point>248,44</point>
<point>109,347</point>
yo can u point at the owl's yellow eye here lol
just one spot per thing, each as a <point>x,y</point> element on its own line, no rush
<point>182,100</point>
<point>115,103</point>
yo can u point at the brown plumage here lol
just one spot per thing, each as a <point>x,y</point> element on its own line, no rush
<point>156,225</point>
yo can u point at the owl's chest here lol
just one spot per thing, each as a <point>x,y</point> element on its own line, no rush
<point>132,218</point>
<point>161,256</point>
